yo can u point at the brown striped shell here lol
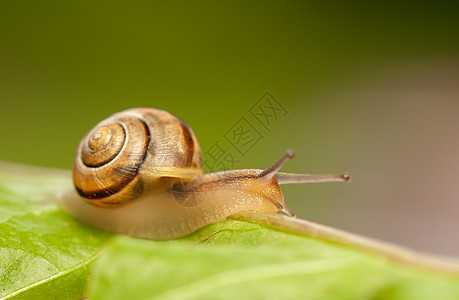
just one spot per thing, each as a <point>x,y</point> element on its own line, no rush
<point>130,151</point>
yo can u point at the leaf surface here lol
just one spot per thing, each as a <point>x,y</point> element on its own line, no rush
<point>44,252</point>
<point>244,260</point>
<point>47,254</point>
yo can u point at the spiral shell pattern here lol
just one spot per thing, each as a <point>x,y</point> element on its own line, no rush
<point>123,154</point>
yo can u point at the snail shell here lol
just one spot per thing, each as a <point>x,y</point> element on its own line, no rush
<point>130,152</point>
<point>139,173</point>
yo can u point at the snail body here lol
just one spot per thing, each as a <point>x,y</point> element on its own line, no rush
<point>139,173</point>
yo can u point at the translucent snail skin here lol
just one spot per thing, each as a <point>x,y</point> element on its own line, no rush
<point>139,173</point>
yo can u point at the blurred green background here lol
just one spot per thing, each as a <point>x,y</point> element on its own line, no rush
<point>370,88</point>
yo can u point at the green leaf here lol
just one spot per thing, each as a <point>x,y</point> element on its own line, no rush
<point>236,259</point>
<point>44,253</point>
<point>47,254</point>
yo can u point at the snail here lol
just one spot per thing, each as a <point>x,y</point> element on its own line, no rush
<point>139,173</point>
